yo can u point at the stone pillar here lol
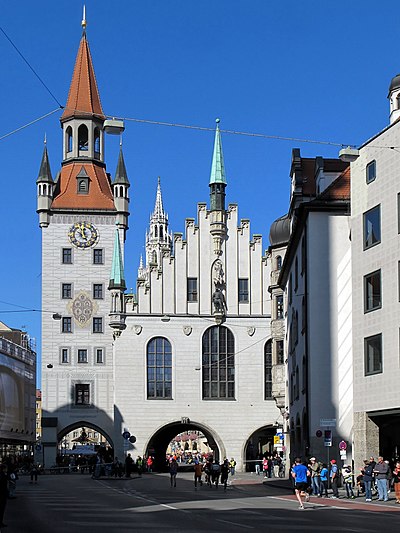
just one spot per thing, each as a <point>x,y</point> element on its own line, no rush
<point>366,439</point>
<point>49,441</point>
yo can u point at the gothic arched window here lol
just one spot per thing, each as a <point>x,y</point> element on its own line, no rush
<point>69,139</point>
<point>96,142</point>
<point>268,370</point>
<point>218,367</point>
<point>159,368</point>
<point>83,138</point>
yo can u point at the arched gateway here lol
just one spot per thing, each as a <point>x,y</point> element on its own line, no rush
<point>158,443</point>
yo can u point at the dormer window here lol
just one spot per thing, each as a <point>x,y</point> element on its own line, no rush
<point>82,182</point>
<point>69,139</point>
<point>83,138</point>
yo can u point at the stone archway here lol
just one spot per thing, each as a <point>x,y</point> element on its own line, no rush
<point>259,443</point>
<point>86,424</point>
<point>158,442</point>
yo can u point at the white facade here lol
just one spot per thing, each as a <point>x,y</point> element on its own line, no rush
<point>317,277</point>
<point>241,426</point>
<point>376,307</point>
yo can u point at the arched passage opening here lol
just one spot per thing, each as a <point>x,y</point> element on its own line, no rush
<point>159,442</point>
<point>83,433</point>
<point>258,445</point>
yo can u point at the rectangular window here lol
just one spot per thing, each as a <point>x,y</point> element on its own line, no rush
<point>82,394</point>
<point>279,306</point>
<point>192,289</point>
<point>280,358</point>
<point>66,324</point>
<point>372,291</point>
<point>97,291</point>
<point>99,356</point>
<point>97,325</point>
<point>373,354</point>
<point>82,356</point>
<point>98,258</point>
<point>370,174</point>
<point>66,290</point>
<point>372,227</point>
<point>67,256</point>
<point>243,290</point>
<point>64,356</point>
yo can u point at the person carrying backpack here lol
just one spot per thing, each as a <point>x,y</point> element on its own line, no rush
<point>348,481</point>
<point>215,473</point>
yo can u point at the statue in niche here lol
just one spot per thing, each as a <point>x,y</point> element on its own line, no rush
<point>219,302</point>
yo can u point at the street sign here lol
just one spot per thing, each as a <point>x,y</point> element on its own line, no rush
<point>318,433</point>
<point>277,440</point>
<point>342,445</point>
<point>327,437</point>
<point>327,422</point>
<point>132,439</point>
<point>126,435</point>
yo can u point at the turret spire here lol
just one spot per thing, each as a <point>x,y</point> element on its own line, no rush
<point>218,167</point>
<point>45,172</point>
<point>158,208</point>
<point>121,176</point>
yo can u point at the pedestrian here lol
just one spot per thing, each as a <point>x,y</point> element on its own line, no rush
<point>381,472</point>
<point>3,492</point>
<point>149,464</point>
<point>139,465</point>
<point>300,474</point>
<point>396,481</point>
<point>368,473</point>
<point>233,466</point>
<point>276,465</point>
<point>265,466</point>
<point>34,473</point>
<point>12,482</point>
<point>128,465</point>
<point>215,473</point>
<point>315,470</point>
<point>323,479</point>
<point>224,473</point>
<point>334,479</point>
<point>348,481</point>
<point>198,472</point>
<point>173,470</point>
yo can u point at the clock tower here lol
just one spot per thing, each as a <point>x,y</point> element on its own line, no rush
<point>80,211</point>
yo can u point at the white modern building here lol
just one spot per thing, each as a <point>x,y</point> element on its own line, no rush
<point>316,274</point>
<point>375,207</point>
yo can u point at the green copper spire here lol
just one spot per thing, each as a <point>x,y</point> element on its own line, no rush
<point>218,167</point>
<point>117,279</point>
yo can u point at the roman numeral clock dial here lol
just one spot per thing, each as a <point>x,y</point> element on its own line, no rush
<point>83,235</point>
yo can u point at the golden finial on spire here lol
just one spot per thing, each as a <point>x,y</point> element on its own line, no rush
<point>84,20</point>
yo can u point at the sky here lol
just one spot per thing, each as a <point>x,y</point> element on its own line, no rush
<point>313,70</point>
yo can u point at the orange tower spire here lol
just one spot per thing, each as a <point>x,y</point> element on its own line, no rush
<point>83,97</point>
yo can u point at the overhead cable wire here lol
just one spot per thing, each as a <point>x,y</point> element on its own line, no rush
<point>29,124</point>
<point>30,66</point>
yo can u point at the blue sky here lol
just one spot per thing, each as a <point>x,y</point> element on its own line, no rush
<point>312,69</point>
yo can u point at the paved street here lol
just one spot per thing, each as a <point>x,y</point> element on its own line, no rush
<point>76,503</point>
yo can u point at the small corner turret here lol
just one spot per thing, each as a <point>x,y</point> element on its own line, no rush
<point>117,287</point>
<point>120,188</point>
<point>45,190</point>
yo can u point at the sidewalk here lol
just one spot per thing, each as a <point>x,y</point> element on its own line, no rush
<point>285,485</point>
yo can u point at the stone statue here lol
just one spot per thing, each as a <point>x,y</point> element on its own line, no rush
<point>218,299</point>
<point>218,274</point>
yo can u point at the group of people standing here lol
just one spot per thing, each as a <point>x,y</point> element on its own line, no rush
<point>215,473</point>
<point>314,477</point>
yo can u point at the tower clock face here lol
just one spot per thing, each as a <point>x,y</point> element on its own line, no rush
<point>83,235</point>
